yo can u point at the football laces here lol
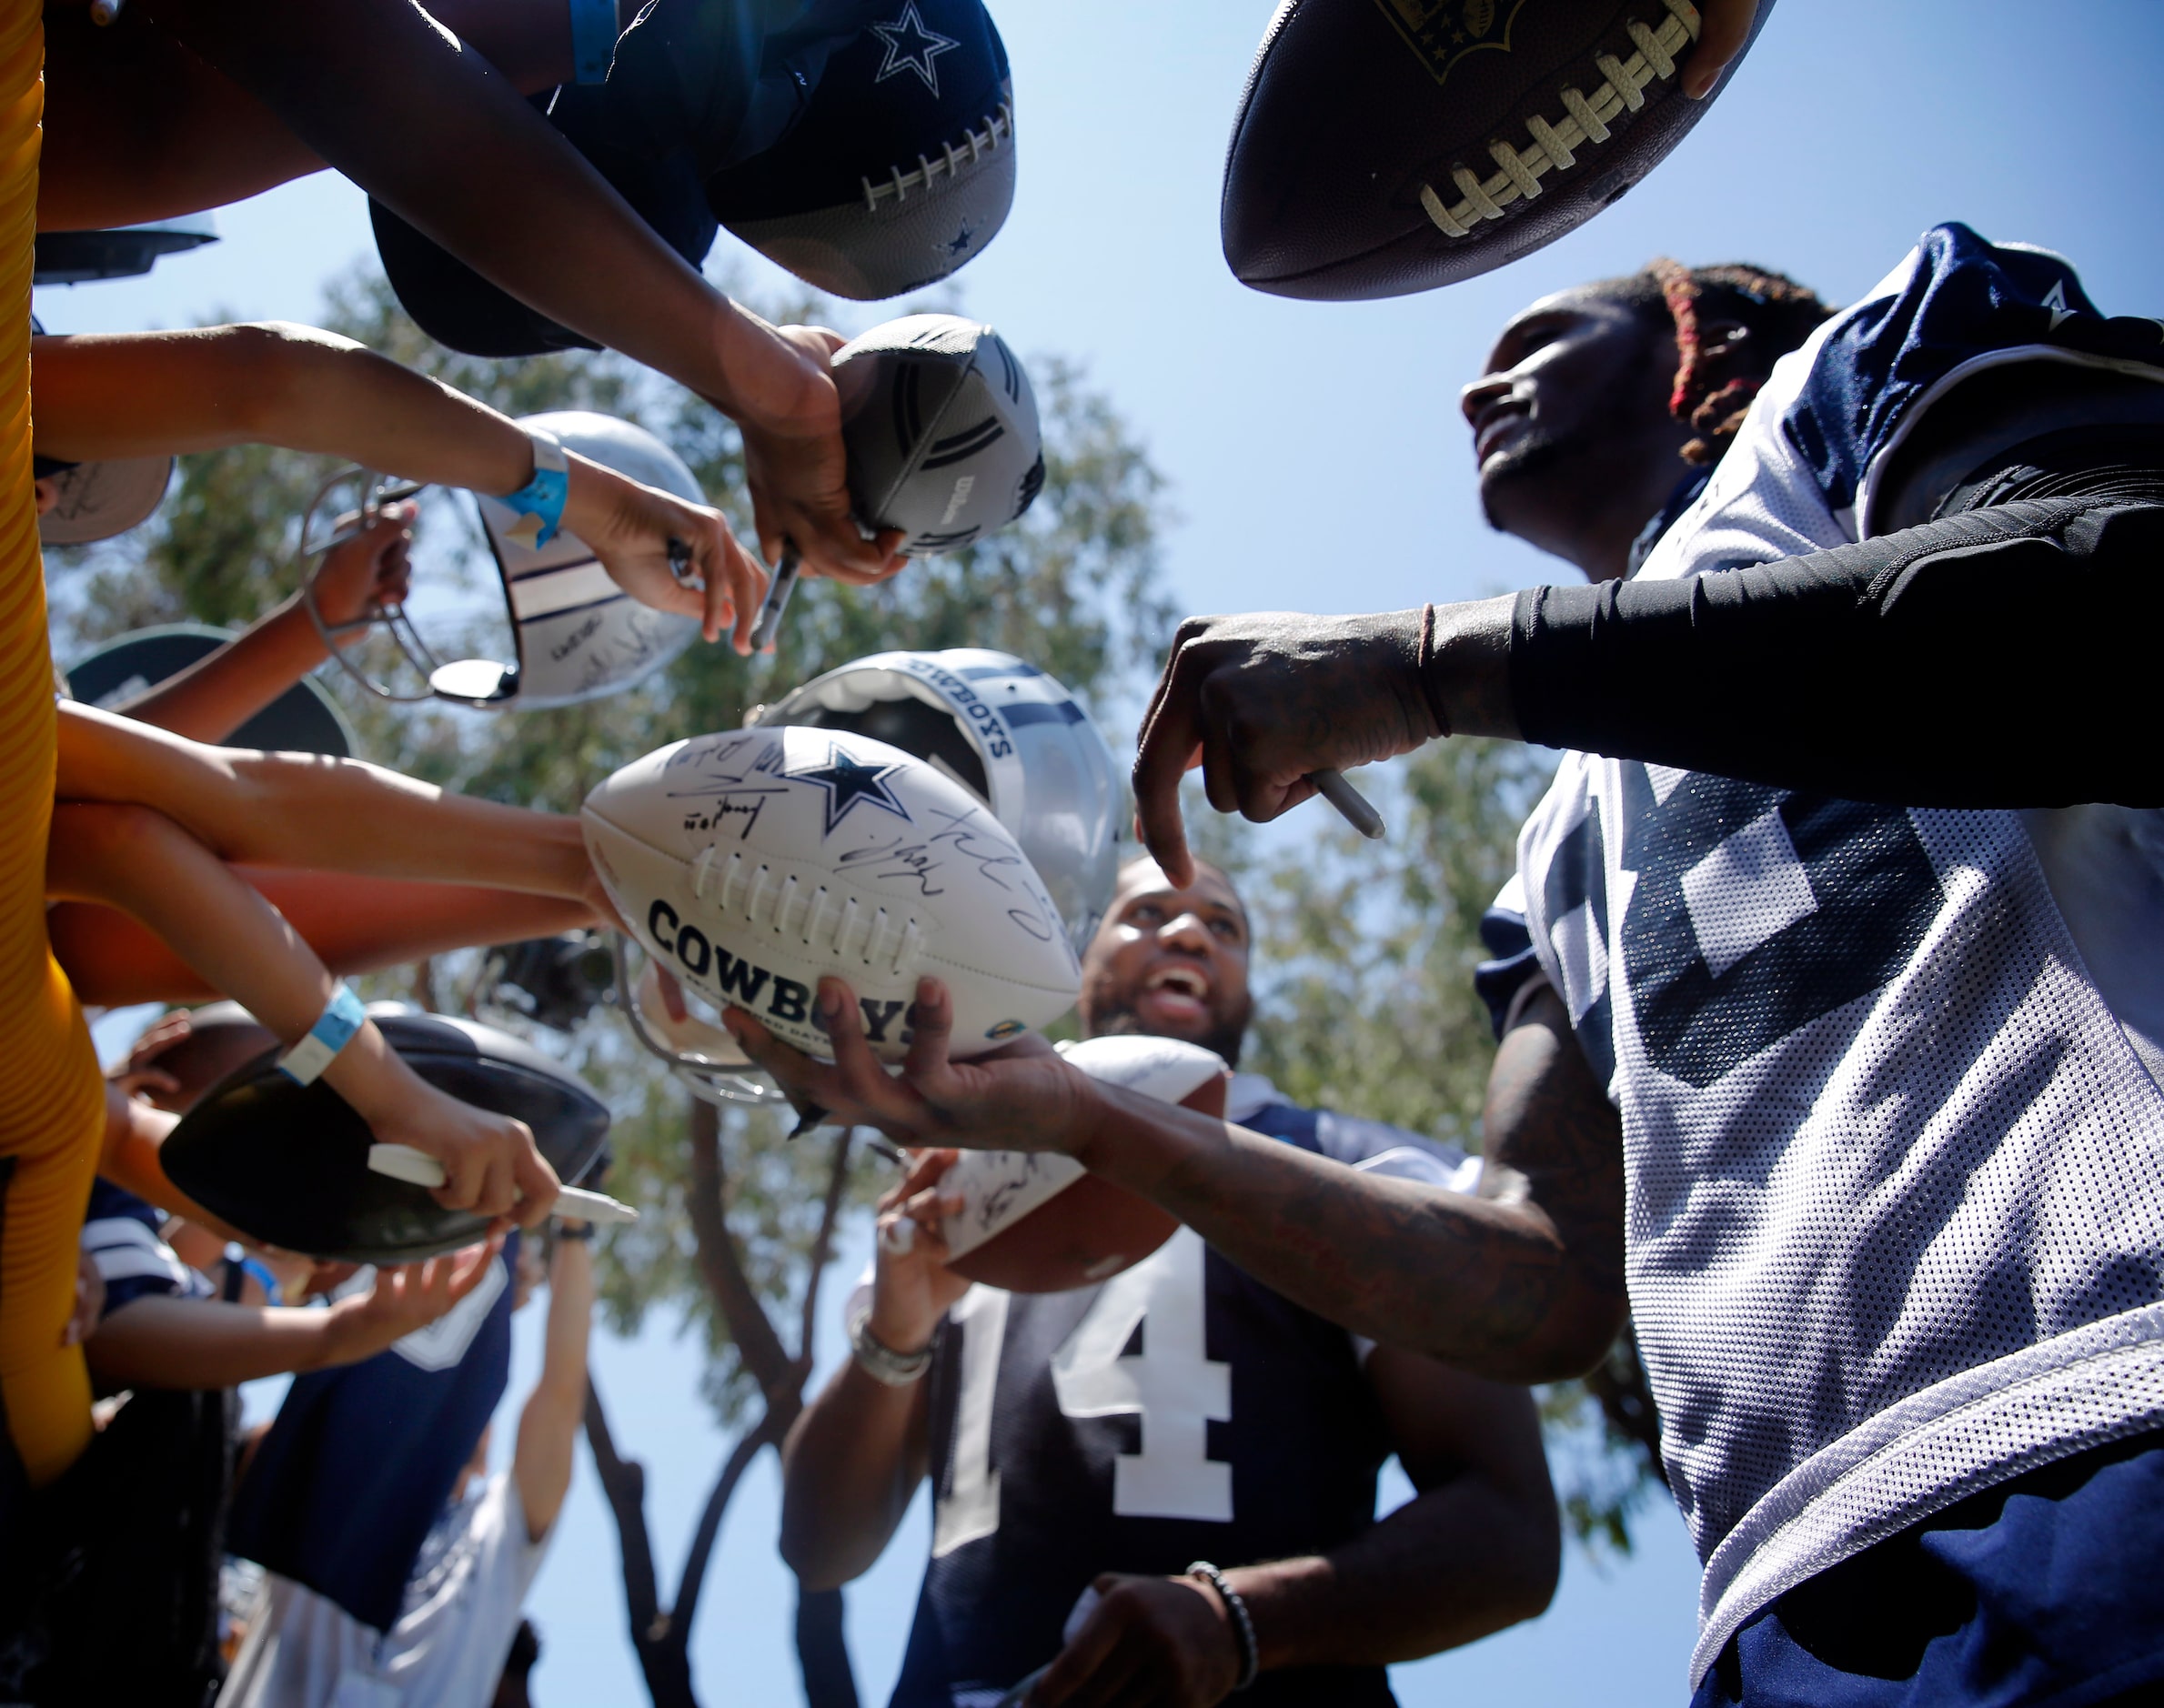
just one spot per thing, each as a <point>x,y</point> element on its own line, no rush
<point>824,917</point>
<point>1584,124</point>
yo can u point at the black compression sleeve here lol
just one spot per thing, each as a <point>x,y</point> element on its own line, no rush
<point>2006,657</point>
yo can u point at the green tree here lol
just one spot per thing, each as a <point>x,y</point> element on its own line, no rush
<point>737,1225</point>
<point>1365,950</point>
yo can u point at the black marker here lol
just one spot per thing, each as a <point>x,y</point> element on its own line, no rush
<point>778,592</point>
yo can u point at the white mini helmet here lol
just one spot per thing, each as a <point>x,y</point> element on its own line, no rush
<point>942,430</point>
<point>578,635</point>
<point>1004,731</point>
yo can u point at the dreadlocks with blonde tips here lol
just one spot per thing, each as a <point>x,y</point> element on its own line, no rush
<point>1709,395</point>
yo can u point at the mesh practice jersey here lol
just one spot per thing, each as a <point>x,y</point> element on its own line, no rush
<point>1179,1411</point>
<point>1892,1131</point>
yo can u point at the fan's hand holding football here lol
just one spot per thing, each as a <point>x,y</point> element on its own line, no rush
<point>911,1286</point>
<point>790,415</point>
<point>1724,27</point>
<point>1020,1096</point>
<point>369,571</point>
<point>630,527</point>
<point>404,1296</point>
<point>490,1163</point>
<point>1149,1642</point>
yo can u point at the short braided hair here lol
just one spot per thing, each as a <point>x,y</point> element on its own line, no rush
<point>1710,395</point>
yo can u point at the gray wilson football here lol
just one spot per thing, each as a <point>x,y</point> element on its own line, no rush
<point>941,426</point>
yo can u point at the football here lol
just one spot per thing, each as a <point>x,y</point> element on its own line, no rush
<point>1039,1223</point>
<point>287,1164</point>
<point>1384,146</point>
<point>940,428</point>
<point>752,864</point>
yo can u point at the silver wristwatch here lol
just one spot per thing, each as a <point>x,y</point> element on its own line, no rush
<point>881,1362</point>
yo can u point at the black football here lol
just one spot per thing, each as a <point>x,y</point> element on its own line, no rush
<point>288,1164</point>
<point>1385,146</point>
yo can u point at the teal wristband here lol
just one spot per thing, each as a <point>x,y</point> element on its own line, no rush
<point>333,1029</point>
<point>593,39</point>
<point>542,498</point>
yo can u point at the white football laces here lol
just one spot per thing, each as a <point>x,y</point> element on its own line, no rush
<point>1584,124</point>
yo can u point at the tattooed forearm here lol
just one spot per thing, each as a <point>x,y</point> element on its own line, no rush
<point>1523,1285</point>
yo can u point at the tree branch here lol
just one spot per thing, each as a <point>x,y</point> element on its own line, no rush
<point>822,1247</point>
<point>623,1482</point>
<point>709,1526</point>
<point>722,1268</point>
<point>822,1650</point>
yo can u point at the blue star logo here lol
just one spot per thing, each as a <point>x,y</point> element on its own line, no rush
<point>849,782</point>
<point>913,47</point>
<point>962,240</point>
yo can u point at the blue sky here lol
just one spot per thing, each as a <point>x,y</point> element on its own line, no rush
<point>1317,462</point>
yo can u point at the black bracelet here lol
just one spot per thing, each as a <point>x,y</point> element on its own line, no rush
<point>582,1232</point>
<point>1250,1656</point>
<point>1424,671</point>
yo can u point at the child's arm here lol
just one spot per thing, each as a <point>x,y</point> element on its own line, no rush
<point>159,1341</point>
<point>328,815</point>
<point>139,394</point>
<point>133,1131</point>
<point>222,691</point>
<point>133,858</point>
<point>549,1423</point>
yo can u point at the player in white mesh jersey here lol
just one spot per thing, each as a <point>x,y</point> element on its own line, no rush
<point>1855,1105</point>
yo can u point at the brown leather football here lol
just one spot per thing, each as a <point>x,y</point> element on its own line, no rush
<point>1385,146</point>
<point>1085,1233</point>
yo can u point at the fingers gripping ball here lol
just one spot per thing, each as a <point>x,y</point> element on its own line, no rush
<point>1039,1223</point>
<point>752,864</point>
<point>940,426</point>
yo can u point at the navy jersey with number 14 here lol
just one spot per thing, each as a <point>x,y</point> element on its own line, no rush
<point>1179,1411</point>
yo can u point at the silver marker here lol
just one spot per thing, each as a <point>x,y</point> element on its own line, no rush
<point>403,1163</point>
<point>1349,801</point>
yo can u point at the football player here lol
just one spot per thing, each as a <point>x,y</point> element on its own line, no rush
<point>1878,1084</point>
<point>1079,1471</point>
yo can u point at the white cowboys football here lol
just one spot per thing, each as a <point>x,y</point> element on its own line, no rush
<point>750,864</point>
<point>940,426</point>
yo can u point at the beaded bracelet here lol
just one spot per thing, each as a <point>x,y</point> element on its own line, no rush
<point>1250,1655</point>
<point>880,1361</point>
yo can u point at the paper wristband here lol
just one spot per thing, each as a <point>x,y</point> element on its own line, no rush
<point>333,1029</point>
<point>544,496</point>
<point>593,39</point>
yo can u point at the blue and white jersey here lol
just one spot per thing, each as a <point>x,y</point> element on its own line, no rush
<point>125,1238</point>
<point>1179,1411</point>
<point>1889,1077</point>
<point>353,1474</point>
